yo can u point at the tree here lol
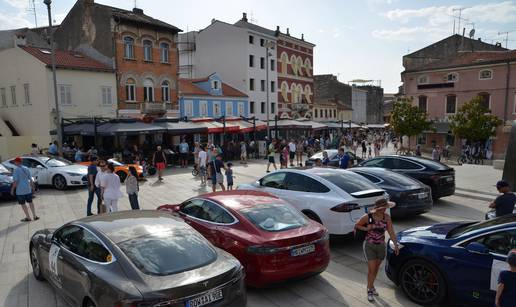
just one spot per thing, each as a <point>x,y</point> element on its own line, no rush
<point>474,122</point>
<point>409,120</point>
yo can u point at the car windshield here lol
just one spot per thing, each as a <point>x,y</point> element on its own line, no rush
<point>4,170</point>
<point>348,181</point>
<point>169,252</point>
<point>55,162</point>
<point>396,178</point>
<point>274,217</point>
<point>319,155</point>
<point>115,162</point>
<point>468,227</point>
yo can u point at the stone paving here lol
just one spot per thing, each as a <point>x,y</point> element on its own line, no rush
<point>342,284</point>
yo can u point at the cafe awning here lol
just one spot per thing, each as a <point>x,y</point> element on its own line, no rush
<point>79,129</point>
<point>290,124</point>
<point>216,126</point>
<point>181,127</point>
<point>128,128</point>
<point>316,125</point>
<point>247,126</point>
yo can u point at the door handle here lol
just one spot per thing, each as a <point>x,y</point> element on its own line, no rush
<point>60,257</point>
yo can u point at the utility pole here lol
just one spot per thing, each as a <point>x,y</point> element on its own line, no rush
<point>268,45</point>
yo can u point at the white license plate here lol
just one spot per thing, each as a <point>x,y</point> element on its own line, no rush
<point>205,299</point>
<point>422,195</point>
<point>302,250</point>
<point>449,179</point>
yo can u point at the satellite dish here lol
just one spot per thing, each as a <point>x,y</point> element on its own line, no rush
<point>472,33</point>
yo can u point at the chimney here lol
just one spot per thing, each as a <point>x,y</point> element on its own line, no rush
<point>213,20</point>
<point>498,44</point>
<point>277,31</point>
<point>138,11</point>
<point>302,37</point>
<point>288,32</point>
<point>244,17</point>
<point>479,39</point>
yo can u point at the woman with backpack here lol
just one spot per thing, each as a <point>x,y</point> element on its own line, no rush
<point>373,226</point>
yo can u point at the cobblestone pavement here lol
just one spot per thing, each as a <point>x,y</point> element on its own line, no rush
<point>342,284</point>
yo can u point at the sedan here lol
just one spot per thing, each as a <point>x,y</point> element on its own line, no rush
<point>458,261</point>
<point>6,181</point>
<point>336,198</point>
<point>136,258</point>
<point>411,196</point>
<point>438,176</point>
<point>334,159</point>
<point>54,171</point>
<point>272,240</point>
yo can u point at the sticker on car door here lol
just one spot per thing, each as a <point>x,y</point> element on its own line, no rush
<point>52,264</point>
<point>496,268</point>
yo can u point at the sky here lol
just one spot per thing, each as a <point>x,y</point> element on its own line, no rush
<point>355,39</point>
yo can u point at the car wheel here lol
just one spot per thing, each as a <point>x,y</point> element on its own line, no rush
<point>89,303</point>
<point>422,282</point>
<point>122,175</point>
<point>59,182</point>
<point>36,268</point>
<point>312,216</point>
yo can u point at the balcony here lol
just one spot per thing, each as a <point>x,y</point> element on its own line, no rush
<point>300,107</point>
<point>153,108</point>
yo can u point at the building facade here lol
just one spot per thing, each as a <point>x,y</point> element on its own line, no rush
<point>328,91</point>
<point>140,48</point>
<point>359,105</point>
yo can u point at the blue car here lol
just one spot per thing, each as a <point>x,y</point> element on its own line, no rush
<point>457,261</point>
<point>6,180</point>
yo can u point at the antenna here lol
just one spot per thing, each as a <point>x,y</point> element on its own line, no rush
<point>135,4</point>
<point>32,10</point>
<point>506,36</point>
<point>459,18</point>
<point>251,18</point>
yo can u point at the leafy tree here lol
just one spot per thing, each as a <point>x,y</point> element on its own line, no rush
<point>409,120</point>
<point>474,122</point>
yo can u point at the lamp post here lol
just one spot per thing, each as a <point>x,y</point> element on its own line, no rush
<point>268,45</point>
<point>53,60</point>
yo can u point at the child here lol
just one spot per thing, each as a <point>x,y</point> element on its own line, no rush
<point>506,291</point>
<point>229,175</point>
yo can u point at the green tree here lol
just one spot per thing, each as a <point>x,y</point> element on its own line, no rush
<point>474,122</point>
<point>409,120</point>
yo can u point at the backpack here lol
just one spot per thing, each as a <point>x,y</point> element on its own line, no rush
<point>360,234</point>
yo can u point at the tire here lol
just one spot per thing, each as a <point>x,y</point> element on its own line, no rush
<point>88,303</point>
<point>122,176</point>
<point>59,182</point>
<point>312,216</point>
<point>422,282</point>
<point>34,261</point>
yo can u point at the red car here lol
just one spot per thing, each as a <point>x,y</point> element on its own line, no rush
<point>272,240</point>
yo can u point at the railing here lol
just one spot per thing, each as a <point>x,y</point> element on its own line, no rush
<point>153,107</point>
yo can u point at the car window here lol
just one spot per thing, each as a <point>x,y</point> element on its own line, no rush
<point>275,180</point>
<point>372,178</point>
<point>68,237</point>
<point>152,254</point>
<point>83,243</point>
<point>115,162</point>
<point>4,170</point>
<point>404,164</point>
<point>347,181</point>
<point>469,227</point>
<point>274,217</point>
<point>206,210</point>
<point>192,207</point>
<point>375,163</point>
<point>57,162</point>
<point>499,242</point>
<point>302,183</point>
<point>30,163</point>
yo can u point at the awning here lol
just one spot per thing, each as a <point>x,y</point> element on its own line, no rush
<point>344,125</point>
<point>79,129</point>
<point>182,127</point>
<point>316,125</point>
<point>217,127</point>
<point>376,126</point>
<point>290,124</point>
<point>128,128</point>
<point>247,126</point>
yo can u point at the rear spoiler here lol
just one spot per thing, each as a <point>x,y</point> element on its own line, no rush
<point>368,193</point>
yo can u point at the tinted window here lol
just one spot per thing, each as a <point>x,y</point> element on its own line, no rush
<point>193,207</point>
<point>374,162</point>
<point>348,181</point>
<point>275,181</point>
<point>301,183</point>
<point>398,178</point>
<point>404,164</point>
<point>83,243</point>
<point>370,177</point>
<point>465,228</point>
<point>208,211</point>
<point>169,252</point>
<point>30,163</point>
<point>274,217</point>
<point>499,242</point>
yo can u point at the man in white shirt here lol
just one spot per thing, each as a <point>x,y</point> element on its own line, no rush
<point>292,151</point>
<point>102,166</point>
<point>201,162</point>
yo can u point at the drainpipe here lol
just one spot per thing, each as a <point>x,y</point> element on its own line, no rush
<point>507,82</point>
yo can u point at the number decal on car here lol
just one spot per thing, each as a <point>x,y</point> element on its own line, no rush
<point>52,263</point>
<point>496,268</point>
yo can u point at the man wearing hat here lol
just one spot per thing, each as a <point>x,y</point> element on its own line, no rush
<point>22,187</point>
<point>503,204</point>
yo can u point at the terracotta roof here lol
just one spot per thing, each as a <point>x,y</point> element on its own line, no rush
<point>188,87</point>
<point>65,59</point>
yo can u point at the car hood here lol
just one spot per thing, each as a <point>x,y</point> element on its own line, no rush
<point>80,169</point>
<point>436,232</point>
<point>6,178</point>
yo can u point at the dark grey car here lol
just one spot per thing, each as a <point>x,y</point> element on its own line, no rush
<point>136,258</point>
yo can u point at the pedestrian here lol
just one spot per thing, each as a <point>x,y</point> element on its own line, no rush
<point>503,204</point>
<point>110,188</point>
<point>229,175</point>
<point>436,155</point>
<point>102,166</point>
<point>216,173</point>
<point>243,152</point>
<point>284,154</point>
<point>325,160</point>
<point>23,187</point>
<point>271,151</point>
<point>201,163</point>
<point>34,150</point>
<point>300,149</point>
<point>132,188</point>
<point>369,149</point>
<point>52,149</point>
<point>355,146</point>
<point>292,151</point>
<point>318,163</point>
<point>506,290</point>
<point>418,150</point>
<point>196,150</point>
<point>364,149</point>
<point>92,152</point>
<point>375,223</point>
<point>183,153</point>
<point>159,160</point>
<point>92,189</point>
<point>344,159</point>
<point>79,155</point>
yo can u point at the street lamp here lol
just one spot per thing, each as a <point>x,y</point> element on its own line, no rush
<point>53,60</point>
<point>268,45</point>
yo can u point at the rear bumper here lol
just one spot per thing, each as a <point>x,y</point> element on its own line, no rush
<point>441,190</point>
<point>403,208</point>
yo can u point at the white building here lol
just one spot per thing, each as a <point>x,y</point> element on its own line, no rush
<point>359,105</point>
<point>86,88</point>
<point>238,53</point>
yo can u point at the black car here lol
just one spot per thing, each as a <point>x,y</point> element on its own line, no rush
<point>332,155</point>
<point>440,177</point>
<point>410,195</point>
<point>136,258</point>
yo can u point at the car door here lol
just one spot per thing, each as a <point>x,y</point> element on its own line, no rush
<point>37,170</point>
<point>305,192</point>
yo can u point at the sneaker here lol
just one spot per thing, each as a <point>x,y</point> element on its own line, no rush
<point>370,295</point>
<point>374,292</point>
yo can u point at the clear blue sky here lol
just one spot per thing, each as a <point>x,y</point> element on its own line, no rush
<point>355,39</point>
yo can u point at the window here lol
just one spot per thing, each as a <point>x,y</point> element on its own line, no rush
<point>422,103</point>
<point>13,95</point>
<point>374,162</point>
<point>216,109</point>
<point>26,91</point>
<point>262,63</point>
<point>164,52</point>
<point>147,50</point>
<point>240,109</point>
<point>251,105</point>
<point>275,180</point>
<point>421,139</point>
<point>273,65</point>
<point>148,90</point>
<point>251,84</point>
<point>251,60</point>
<point>229,108</point>
<point>82,243</point>
<point>452,77</point>
<point>451,104</point>
<point>262,107</point>
<point>301,183</point>
<point>262,85</point>
<point>315,113</point>
<point>486,74</point>
<point>206,210</point>
<point>262,42</point>
<point>251,39</point>
<point>326,113</point>
<point>203,108</point>
<point>422,80</point>
<point>273,107</point>
<point>348,181</point>
<point>499,242</point>
<point>402,164</point>
<point>321,113</point>
<point>4,98</point>
<point>485,100</point>
<point>130,90</point>
<point>65,94</point>
<point>188,106</point>
<point>128,47</point>
<point>215,84</point>
<point>106,95</point>
<point>273,86</point>
<point>274,217</point>
<point>165,91</point>
<point>370,177</point>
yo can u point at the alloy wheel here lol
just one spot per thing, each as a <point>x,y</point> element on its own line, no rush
<point>422,283</point>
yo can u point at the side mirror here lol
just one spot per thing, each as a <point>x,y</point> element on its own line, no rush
<point>39,167</point>
<point>259,183</point>
<point>477,248</point>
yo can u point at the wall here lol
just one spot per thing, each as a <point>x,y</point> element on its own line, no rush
<point>374,109</point>
<point>223,101</point>
<point>359,105</point>
<point>13,146</point>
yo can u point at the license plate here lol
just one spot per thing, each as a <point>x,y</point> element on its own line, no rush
<point>449,179</point>
<point>422,195</point>
<point>205,299</point>
<point>302,250</point>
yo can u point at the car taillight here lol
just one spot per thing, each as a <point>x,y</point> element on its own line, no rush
<point>345,207</point>
<point>262,250</point>
<point>435,177</point>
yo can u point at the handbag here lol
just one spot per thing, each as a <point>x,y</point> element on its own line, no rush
<point>361,234</point>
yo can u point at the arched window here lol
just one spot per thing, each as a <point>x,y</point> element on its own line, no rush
<point>293,63</point>
<point>308,93</point>
<point>485,100</point>
<point>284,91</point>
<point>128,47</point>
<point>299,65</point>
<point>130,90</point>
<point>147,50</point>
<point>164,52</point>
<point>165,91</point>
<point>284,62</point>
<point>294,94</point>
<point>148,90</point>
<point>308,67</point>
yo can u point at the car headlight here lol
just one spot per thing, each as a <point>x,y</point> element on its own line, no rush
<point>391,245</point>
<point>73,174</point>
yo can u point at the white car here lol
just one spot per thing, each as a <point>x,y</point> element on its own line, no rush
<point>335,198</point>
<point>54,171</point>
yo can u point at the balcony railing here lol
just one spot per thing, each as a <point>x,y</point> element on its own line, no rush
<point>153,108</point>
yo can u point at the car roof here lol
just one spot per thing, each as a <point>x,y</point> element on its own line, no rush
<point>422,160</point>
<point>381,173</point>
<point>239,199</point>
<point>123,225</point>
